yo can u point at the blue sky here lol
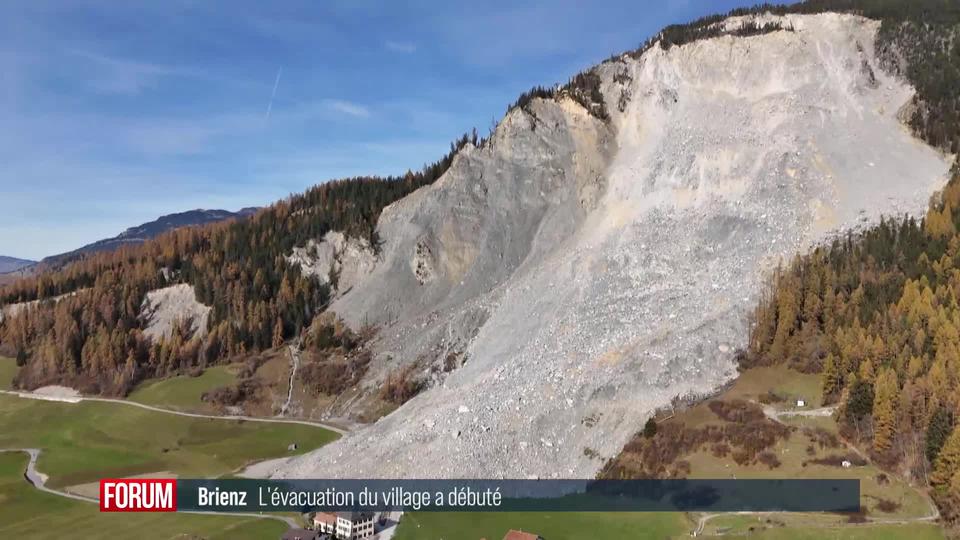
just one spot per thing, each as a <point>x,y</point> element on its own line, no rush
<point>114,113</point>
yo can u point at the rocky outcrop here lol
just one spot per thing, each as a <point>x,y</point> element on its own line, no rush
<point>345,259</point>
<point>164,308</point>
<point>586,272</point>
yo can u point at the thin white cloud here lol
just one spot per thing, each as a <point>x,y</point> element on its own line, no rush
<point>108,75</point>
<point>404,47</point>
<point>348,108</point>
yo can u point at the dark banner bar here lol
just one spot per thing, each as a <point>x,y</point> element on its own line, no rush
<point>240,495</point>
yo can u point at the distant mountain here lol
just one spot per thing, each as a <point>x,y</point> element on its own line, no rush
<point>144,232</point>
<point>134,235</point>
<point>12,264</point>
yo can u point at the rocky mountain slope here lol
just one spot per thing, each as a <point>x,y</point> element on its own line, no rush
<point>582,272</point>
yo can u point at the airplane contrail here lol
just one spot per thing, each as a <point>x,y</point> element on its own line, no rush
<point>273,94</point>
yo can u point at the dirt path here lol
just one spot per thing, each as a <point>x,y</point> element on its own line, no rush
<point>294,365</point>
<point>39,480</point>
<point>128,403</point>
<point>776,415</point>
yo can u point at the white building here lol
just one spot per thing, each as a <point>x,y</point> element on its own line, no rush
<point>345,525</point>
<point>351,525</point>
<point>325,522</point>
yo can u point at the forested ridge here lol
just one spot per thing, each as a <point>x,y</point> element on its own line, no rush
<point>93,339</point>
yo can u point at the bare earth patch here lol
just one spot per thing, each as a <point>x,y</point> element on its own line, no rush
<point>163,308</point>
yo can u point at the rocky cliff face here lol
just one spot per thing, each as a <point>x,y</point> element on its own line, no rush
<point>583,273</point>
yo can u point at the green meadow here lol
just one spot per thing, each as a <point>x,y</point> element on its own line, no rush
<point>85,441</point>
<point>183,392</point>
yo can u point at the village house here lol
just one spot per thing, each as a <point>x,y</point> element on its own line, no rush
<point>325,522</point>
<point>345,525</point>
<point>353,525</point>
<point>520,535</point>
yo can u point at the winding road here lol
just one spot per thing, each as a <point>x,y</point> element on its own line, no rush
<point>39,480</point>
<point>324,425</point>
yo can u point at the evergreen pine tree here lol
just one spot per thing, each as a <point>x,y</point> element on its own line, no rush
<point>830,378</point>
<point>939,428</point>
<point>885,410</point>
<point>650,428</point>
<point>948,461</point>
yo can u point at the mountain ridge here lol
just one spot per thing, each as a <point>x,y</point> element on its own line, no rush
<point>135,235</point>
<point>12,264</point>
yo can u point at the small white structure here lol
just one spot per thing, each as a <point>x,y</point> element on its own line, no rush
<point>801,403</point>
<point>846,464</point>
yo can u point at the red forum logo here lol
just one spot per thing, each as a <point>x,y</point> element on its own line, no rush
<point>138,495</point>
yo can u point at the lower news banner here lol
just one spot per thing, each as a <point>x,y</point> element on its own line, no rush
<point>726,495</point>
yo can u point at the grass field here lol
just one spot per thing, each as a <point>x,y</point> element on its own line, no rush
<point>27,514</point>
<point>872,532</point>
<point>750,385</point>
<point>183,392</point>
<point>793,452</point>
<point>782,381</point>
<point>644,526</point>
<point>804,527</point>
<point>86,441</point>
<point>552,526</point>
<point>8,368</point>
